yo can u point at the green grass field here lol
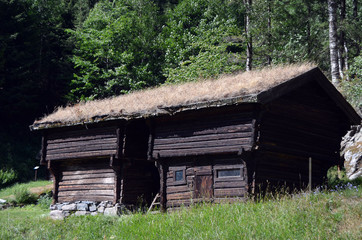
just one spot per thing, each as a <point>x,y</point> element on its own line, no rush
<point>326,215</point>
<point>7,193</point>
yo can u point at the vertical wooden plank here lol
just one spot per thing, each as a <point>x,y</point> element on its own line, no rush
<point>119,135</point>
<point>124,139</point>
<point>56,178</point>
<point>116,166</point>
<point>118,170</point>
<point>151,138</point>
<point>43,149</point>
<point>162,169</point>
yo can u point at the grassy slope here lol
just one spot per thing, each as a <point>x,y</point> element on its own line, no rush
<point>336,215</point>
<point>35,187</point>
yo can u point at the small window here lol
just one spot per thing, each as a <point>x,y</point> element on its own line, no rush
<point>179,175</point>
<point>225,173</point>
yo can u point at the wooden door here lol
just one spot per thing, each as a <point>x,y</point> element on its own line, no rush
<point>203,186</point>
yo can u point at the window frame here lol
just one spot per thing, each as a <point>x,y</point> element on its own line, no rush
<point>240,167</point>
<point>174,170</point>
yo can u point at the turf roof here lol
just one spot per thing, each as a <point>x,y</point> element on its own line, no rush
<point>227,89</point>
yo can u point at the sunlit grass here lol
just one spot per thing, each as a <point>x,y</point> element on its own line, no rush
<point>9,191</point>
<point>323,215</point>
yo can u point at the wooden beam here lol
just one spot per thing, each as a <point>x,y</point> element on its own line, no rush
<point>162,169</point>
<point>119,135</point>
<point>115,164</point>
<point>56,178</point>
<point>151,139</point>
<point>43,149</point>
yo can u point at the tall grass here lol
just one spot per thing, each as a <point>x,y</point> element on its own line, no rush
<point>10,191</point>
<point>322,215</point>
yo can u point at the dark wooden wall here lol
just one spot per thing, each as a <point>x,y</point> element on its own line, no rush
<point>221,131</point>
<point>141,182</point>
<point>136,141</point>
<point>201,181</point>
<point>72,144</point>
<point>304,123</point>
<point>91,180</point>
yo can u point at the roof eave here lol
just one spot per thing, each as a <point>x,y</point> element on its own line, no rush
<point>160,111</point>
<point>314,74</point>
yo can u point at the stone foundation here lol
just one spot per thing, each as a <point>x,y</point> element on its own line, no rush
<point>80,208</point>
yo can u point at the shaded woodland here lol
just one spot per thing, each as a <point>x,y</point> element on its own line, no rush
<point>54,53</point>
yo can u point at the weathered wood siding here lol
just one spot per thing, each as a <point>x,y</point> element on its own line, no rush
<point>91,180</point>
<point>140,181</point>
<point>84,143</point>
<point>302,124</point>
<point>221,133</point>
<point>212,188</point>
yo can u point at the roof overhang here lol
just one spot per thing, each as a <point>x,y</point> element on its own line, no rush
<point>263,97</point>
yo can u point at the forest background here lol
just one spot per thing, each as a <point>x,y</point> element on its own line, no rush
<point>59,52</point>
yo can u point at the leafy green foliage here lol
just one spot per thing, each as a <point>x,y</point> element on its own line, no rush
<point>339,178</point>
<point>115,50</point>
<point>7,177</point>
<point>202,39</point>
<point>44,201</point>
<point>54,51</point>
<point>298,32</point>
<point>352,87</point>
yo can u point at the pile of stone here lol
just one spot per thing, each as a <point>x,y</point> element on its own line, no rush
<point>80,208</point>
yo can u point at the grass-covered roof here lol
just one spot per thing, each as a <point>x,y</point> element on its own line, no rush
<point>240,87</point>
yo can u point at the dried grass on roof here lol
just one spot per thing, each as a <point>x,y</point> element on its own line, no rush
<point>149,100</point>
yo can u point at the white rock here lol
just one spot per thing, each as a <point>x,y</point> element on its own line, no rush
<point>351,151</point>
<point>113,211</point>
<point>70,207</point>
<point>82,206</point>
<point>81,213</point>
<point>2,201</point>
<point>100,209</point>
<point>56,215</point>
<point>92,208</point>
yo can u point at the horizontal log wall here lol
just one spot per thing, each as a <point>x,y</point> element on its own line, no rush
<point>302,124</point>
<point>86,180</point>
<point>226,189</point>
<point>81,143</point>
<point>219,133</point>
<point>141,183</point>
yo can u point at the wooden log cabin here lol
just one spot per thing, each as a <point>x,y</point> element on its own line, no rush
<point>211,140</point>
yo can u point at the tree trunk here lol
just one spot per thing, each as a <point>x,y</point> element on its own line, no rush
<point>249,39</point>
<point>355,10</point>
<point>333,41</point>
<point>309,44</point>
<point>342,54</point>
<point>269,59</point>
